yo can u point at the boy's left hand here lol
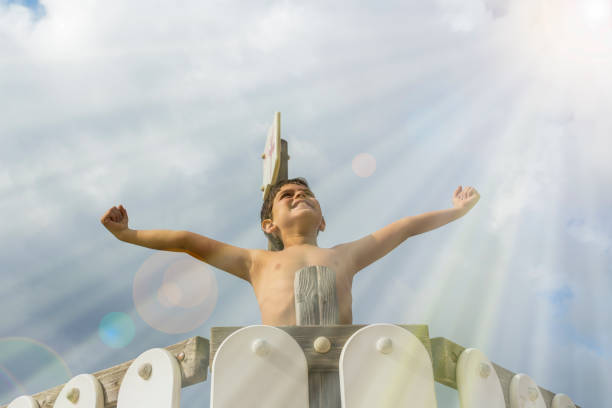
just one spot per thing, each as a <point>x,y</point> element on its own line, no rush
<point>465,198</point>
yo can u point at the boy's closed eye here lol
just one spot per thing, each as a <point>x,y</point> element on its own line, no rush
<point>290,193</point>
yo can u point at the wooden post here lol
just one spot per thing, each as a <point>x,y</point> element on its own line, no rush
<point>283,171</point>
<point>316,304</point>
<point>282,175</point>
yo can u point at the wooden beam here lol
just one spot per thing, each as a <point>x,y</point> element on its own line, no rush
<point>193,366</point>
<point>445,357</point>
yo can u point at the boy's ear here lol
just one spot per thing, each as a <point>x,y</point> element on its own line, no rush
<point>322,226</point>
<point>268,226</point>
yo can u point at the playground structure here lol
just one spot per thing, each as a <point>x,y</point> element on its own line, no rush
<point>315,364</point>
<point>479,382</point>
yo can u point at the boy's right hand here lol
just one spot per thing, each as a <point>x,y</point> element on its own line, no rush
<point>115,220</point>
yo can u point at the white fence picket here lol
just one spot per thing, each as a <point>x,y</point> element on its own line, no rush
<point>386,366</point>
<point>477,382</point>
<point>259,367</point>
<point>24,401</point>
<point>562,401</point>
<point>153,380</point>
<point>524,392</point>
<point>82,391</point>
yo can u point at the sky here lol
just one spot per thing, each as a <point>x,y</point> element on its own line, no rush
<point>387,107</point>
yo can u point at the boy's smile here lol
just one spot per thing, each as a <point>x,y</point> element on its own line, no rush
<point>296,212</point>
<point>304,202</point>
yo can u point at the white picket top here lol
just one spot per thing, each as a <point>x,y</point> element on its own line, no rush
<point>562,401</point>
<point>386,366</point>
<point>477,381</point>
<point>24,401</point>
<point>153,380</point>
<point>82,391</point>
<point>259,366</point>
<point>525,393</point>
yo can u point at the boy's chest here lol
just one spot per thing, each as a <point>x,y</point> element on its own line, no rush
<point>288,261</point>
<point>276,270</point>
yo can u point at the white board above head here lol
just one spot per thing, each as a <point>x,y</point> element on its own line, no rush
<point>271,156</point>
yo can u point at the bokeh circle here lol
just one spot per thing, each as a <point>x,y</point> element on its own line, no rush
<point>28,367</point>
<point>174,293</point>
<point>364,165</point>
<point>116,329</point>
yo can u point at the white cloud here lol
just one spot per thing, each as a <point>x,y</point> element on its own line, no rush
<point>589,234</point>
<point>463,16</point>
<point>162,106</point>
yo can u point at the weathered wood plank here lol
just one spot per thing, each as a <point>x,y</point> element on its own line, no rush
<point>315,296</point>
<point>283,170</point>
<point>445,356</point>
<point>193,366</point>
<point>316,304</point>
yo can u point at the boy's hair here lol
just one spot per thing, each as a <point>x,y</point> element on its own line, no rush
<point>266,208</point>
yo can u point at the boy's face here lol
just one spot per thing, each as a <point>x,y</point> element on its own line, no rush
<point>295,203</point>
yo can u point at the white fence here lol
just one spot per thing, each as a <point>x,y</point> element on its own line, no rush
<point>379,365</point>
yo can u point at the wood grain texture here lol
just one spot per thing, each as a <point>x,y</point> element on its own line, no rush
<point>193,370</point>
<point>316,304</point>
<point>283,170</point>
<point>315,296</point>
<point>445,356</point>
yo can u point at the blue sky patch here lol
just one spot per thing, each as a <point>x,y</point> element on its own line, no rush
<point>560,295</point>
<point>34,5</point>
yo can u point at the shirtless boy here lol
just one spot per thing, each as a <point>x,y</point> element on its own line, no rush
<point>293,217</point>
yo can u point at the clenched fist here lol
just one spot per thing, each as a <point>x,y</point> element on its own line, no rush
<point>115,220</point>
<point>465,199</point>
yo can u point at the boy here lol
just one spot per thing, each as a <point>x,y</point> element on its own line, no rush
<point>292,218</point>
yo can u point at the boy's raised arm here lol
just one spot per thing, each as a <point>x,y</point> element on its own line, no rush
<point>231,259</point>
<point>364,251</point>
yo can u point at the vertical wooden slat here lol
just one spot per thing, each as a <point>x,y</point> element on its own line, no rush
<point>283,171</point>
<point>316,304</point>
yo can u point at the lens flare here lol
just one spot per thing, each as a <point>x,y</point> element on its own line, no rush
<point>28,367</point>
<point>174,293</point>
<point>116,329</point>
<point>597,12</point>
<point>364,165</point>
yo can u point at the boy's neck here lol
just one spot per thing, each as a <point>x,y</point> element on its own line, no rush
<point>298,240</point>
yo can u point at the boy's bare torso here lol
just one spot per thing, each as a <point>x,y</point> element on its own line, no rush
<point>272,277</point>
